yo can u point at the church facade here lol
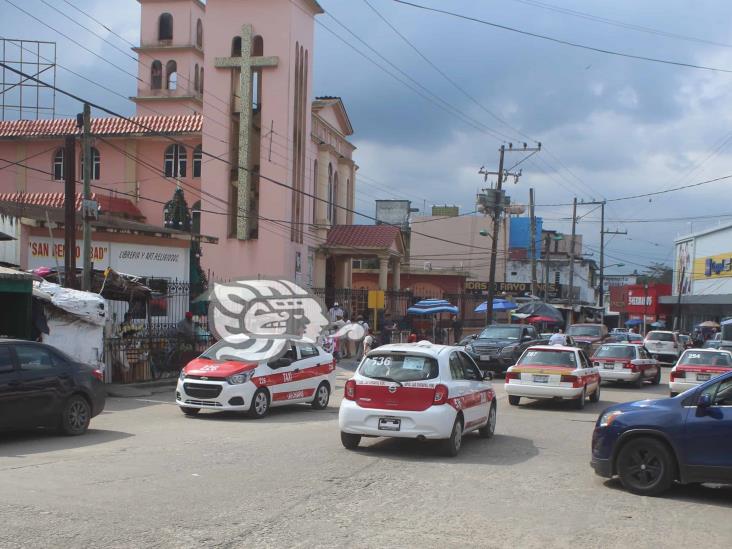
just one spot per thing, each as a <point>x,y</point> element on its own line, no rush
<point>223,112</point>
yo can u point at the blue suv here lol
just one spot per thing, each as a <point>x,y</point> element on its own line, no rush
<point>649,444</point>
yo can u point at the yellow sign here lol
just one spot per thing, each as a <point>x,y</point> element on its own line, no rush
<point>715,266</point>
<point>376,299</point>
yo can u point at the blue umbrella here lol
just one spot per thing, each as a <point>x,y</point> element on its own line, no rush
<point>498,305</point>
<point>633,322</point>
<point>432,307</point>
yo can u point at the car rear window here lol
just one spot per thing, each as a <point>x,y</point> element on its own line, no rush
<point>399,367</point>
<point>660,336</point>
<point>706,359</point>
<point>541,357</point>
<point>615,351</point>
<point>585,331</point>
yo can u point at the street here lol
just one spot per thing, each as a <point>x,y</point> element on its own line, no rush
<point>146,476</point>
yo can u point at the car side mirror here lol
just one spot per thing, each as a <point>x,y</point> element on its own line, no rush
<point>705,401</point>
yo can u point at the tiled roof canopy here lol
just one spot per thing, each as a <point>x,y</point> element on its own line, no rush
<point>110,127</point>
<point>122,207</point>
<point>363,236</point>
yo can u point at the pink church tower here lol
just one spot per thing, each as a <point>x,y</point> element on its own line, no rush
<point>171,57</point>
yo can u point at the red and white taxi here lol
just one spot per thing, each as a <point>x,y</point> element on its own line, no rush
<point>626,362</point>
<point>305,373</point>
<point>553,372</point>
<point>697,366</point>
<point>417,390</point>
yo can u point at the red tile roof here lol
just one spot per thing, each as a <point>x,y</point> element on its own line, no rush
<point>363,236</point>
<point>113,205</point>
<point>136,125</point>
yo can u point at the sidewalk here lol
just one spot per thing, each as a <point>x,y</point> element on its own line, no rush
<point>144,389</point>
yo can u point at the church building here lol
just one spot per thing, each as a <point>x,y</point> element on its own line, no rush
<point>224,113</point>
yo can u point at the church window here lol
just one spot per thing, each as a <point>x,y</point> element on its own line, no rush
<point>196,82</point>
<point>349,201</point>
<point>334,201</point>
<point>315,192</point>
<point>156,75</point>
<point>199,33</point>
<point>200,82</point>
<point>165,27</point>
<point>58,165</point>
<point>175,161</point>
<point>257,51</point>
<point>197,157</point>
<point>171,72</point>
<point>96,163</point>
<point>236,47</point>
<point>329,208</point>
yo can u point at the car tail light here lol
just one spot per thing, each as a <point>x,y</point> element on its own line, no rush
<point>350,390</point>
<point>631,366</point>
<point>441,394</point>
<point>97,373</point>
<point>678,375</point>
<point>512,375</point>
<point>574,380</point>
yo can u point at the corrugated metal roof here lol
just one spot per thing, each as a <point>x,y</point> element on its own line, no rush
<point>136,125</point>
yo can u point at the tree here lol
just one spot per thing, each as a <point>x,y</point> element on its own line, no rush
<point>656,273</point>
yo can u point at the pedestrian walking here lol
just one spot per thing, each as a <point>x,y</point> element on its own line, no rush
<point>457,329</point>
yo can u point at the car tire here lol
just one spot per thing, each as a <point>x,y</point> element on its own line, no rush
<point>579,403</point>
<point>322,396</point>
<point>645,467</point>
<point>514,400</point>
<point>657,379</point>
<point>452,445</point>
<point>350,441</point>
<point>187,410</point>
<point>260,404</point>
<point>595,397</point>
<point>489,428</point>
<point>75,416</point>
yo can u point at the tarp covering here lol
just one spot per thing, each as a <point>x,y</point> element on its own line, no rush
<point>83,305</point>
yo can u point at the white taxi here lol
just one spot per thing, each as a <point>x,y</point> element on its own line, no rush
<point>417,390</point>
<point>305,373</point>
<point>626,362</point>
<point>697,366</point>
<point>553,372</point>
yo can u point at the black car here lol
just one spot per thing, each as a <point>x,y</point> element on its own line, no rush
<point>500,345</point>
<point>42,387</point>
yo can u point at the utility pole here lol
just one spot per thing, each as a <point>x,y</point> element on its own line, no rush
<point>570,316</point>
<point>70,212</point>
<point>532,243</point>
<point>86,249</point>
<point>603,232</point>
<point>498,206</point>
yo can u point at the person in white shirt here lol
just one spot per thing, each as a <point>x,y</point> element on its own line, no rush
<point>334,312</point>
<point>558,338</point>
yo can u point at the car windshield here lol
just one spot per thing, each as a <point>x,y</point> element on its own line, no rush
<point>399,367</point>
<point>660,336</point>
<point>706,359</point>
<point>586,331</point>
<point>212,351</point>
<point>545,357</point>
<point>615,351</point>
<point>501,332</point>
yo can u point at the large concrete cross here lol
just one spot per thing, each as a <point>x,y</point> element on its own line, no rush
<point>246,63</point>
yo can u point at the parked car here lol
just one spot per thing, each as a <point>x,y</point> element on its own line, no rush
<point>652,443</point>
<point>419,391</point>
<point>697,366</point>
<point>41,386</point>
<point>500,345</point>
<point>305,373</point>
<point>626,362</point>
<point>590,335</point>
<point>553,372</point>
<point>663,345</point>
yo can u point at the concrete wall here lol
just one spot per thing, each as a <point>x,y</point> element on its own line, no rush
<point>520,271</point>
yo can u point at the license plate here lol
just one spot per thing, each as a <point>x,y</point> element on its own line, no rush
<point>541,379</point>
<point>703,377</point>
<point>389,424</point>
<point>485,358</point>
<point>609,366</point>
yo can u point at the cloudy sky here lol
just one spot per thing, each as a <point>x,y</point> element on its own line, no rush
<point>610,126</point>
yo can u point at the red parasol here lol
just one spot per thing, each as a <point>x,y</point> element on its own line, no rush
<point>539,319</point>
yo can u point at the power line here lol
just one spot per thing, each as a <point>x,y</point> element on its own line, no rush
<point>561,41</point>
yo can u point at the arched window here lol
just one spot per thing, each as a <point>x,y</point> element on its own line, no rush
<point>334,201</point>
<point>196,81</point>
<point>156,75</point>
<point>257,51</point>
<point>165,27</point>
<point>175,161</point>
<point>315,192</point>
<point>197,157</point>
<point>236,47</point>
<point>96,163</point>
<point>171,75</point>
<point>58,165</point>
<point>196,217</point>
<point>199,33</point>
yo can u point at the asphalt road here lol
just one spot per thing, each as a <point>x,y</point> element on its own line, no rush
<point>146,476</point>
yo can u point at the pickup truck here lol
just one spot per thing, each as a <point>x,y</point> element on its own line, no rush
<point>500,345</point>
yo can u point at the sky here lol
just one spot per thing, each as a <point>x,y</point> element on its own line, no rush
<point>610,126</point>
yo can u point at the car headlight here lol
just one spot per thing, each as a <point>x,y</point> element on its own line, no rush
<point>238,379</point>
<point>509,350</point>
<point>469,348</point>
<point>609,417</point>
<point>182,375</point>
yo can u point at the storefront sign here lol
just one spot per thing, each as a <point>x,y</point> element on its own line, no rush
<point>135,259</point>
<point>514,288</point>
<point>716,266</point>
